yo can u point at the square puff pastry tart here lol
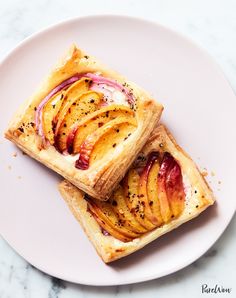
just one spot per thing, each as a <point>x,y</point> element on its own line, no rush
<point>162,190</point>
<point>86,122</point>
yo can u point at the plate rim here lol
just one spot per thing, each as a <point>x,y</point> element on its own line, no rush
<point>203,51</point>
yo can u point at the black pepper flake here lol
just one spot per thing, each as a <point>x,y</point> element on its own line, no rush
<point>141,196</point>
<point>92,100</point>
<point>86,57</point>
<point>161,145</point>
<point>74,104</point>
<point>172,216</point>
<point>32,124</point>
<point>117,130</point>
<point>65,125</point>
<point>141,158</point>
<point>53,106</point>
<point>150,203</point>
<point>197,206</point>
<point>114,145</point>
<point>129,134</point>
<point>195,191</point>
<point>86,80</point>
<point>21,129</point>
<point>63,133</point>
<point>35,108</point>
<point>114,203</point>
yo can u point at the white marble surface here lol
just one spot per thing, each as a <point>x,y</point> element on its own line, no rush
<point>212,24</point>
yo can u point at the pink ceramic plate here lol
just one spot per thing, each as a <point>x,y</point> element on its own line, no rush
<point>199,109</point>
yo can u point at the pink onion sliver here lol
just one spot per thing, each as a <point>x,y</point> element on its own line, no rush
<point>102,80</point>
<point>38,114</point>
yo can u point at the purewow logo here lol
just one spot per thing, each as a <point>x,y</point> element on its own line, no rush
<point>215,290</point>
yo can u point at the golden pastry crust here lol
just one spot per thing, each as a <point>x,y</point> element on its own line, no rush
<point>198,197</point>
<point>105,174</point>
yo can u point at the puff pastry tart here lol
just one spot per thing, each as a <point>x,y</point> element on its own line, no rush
<point>86,122</point>
<point>162,190</point>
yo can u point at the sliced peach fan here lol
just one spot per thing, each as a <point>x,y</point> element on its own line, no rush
<point>61,113</point>
<point>134,216</point>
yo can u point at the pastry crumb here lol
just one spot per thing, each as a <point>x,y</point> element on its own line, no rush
<point>9,167</point>
<point>219,182</point>
<point>19,177</point>
<point>213,174</point>
<point>204,173</point>
<point>14,154</point>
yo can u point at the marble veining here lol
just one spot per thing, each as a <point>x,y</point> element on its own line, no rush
<point>212,24</point>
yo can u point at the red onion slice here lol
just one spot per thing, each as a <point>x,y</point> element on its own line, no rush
<point>102,80</point>
<point>38,114</point>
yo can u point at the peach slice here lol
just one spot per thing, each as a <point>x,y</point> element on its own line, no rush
<point>106,225</point>
<point>131,187</point>
<point>92,122</point>
<point>175,189</point>
<point>71,95</point>
<point>106,213</point>
<point>166,165</point>
<point>50,110</point>
<point>85,104</point>
<point>152,193</point>
<point>123,213</point>
<point>143,188</point>
<point>90,142</point>
<point>109,143</point>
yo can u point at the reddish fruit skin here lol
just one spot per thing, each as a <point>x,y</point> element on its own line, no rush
<point>175,189</point>
<point>82,163</point>
<point>70,139</point>
<point>170,182</point>
<point>153,156</point>
<point>166,164</point>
